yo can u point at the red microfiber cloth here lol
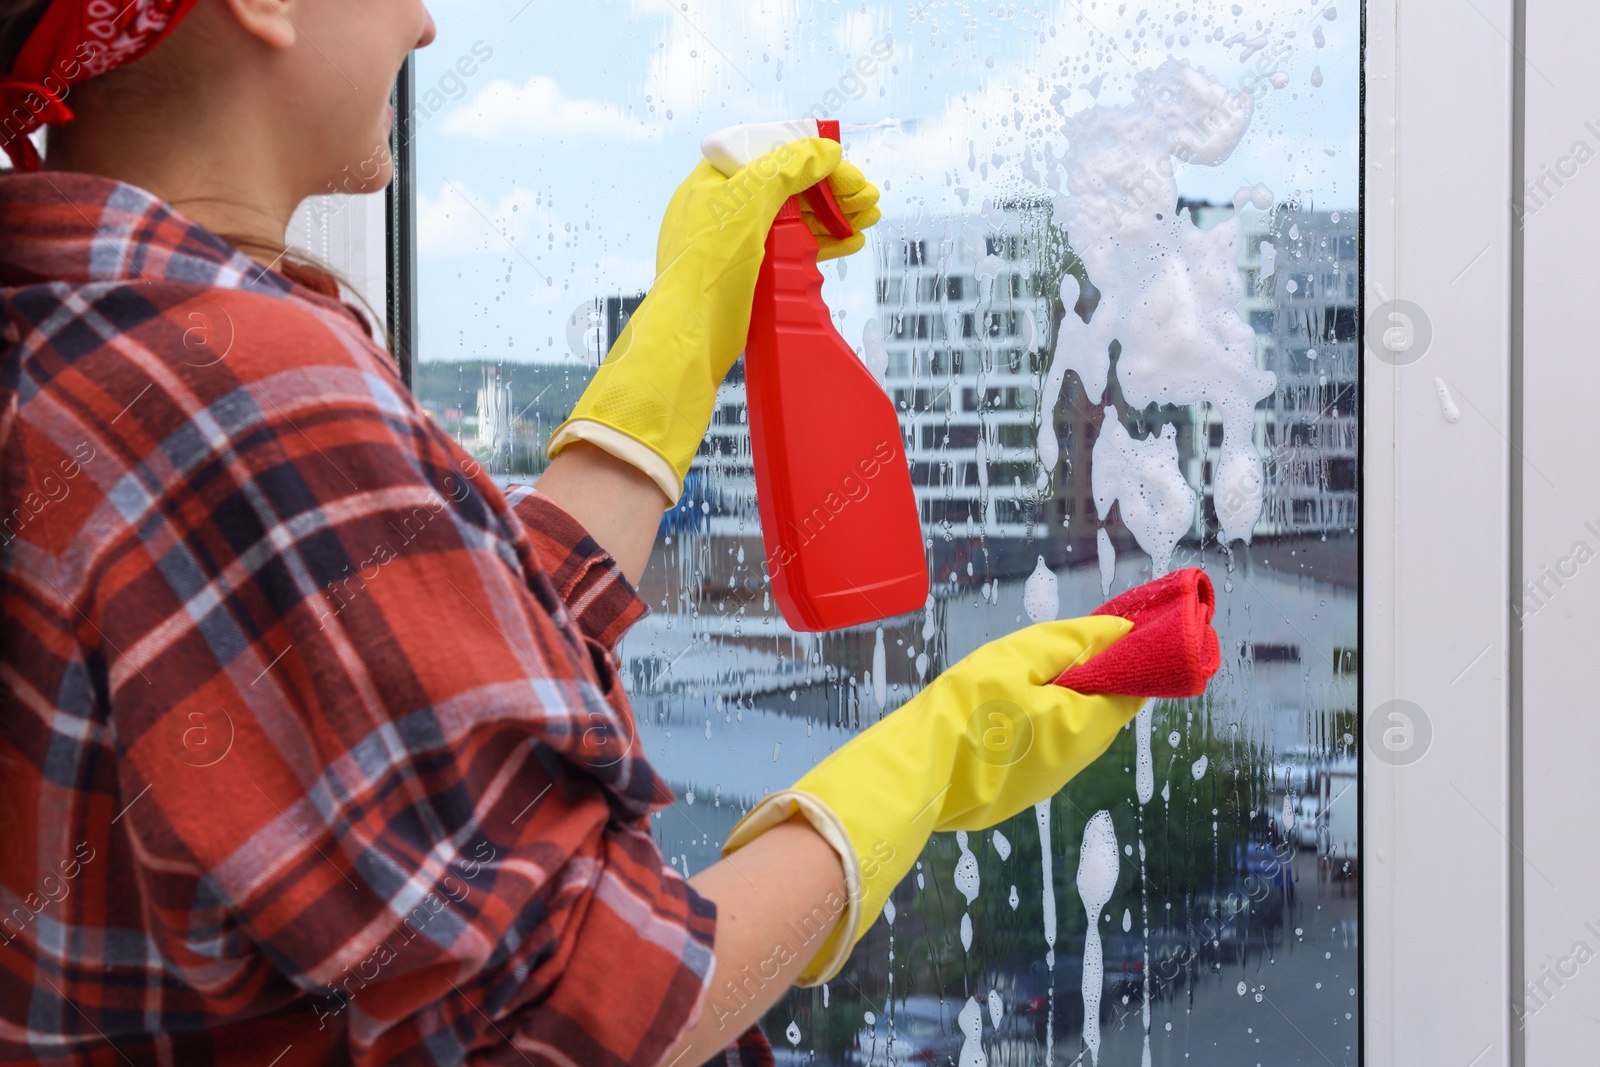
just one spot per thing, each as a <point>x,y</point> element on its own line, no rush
<point>1171,651</point>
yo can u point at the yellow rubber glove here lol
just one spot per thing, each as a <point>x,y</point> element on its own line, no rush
<point>990,737</point>
<point>652,398</point>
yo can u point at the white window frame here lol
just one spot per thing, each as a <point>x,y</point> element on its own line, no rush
<point>1436,896</point>
<point>1558,893</point>
<point>1479,878</point>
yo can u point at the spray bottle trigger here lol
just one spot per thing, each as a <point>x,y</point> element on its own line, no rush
<point>820,196</point>
<point>826,208</point>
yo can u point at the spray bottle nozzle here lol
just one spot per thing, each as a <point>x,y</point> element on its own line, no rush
<point>734,146</point>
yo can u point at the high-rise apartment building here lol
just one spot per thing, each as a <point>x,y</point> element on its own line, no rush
<point>1301,271</point>
<point>966,312</point>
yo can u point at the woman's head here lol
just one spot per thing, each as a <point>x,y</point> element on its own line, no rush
<point>321,69</point>
<point>259,102</point>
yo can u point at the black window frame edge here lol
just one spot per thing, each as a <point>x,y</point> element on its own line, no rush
<point>1363,845</point>
<point>400,244</point>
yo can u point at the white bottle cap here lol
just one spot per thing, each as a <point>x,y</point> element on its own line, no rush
<point>733,146</point>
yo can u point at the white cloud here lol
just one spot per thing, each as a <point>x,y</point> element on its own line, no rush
<point>525,272</point>
<point>979,138</point>
<point>977,90</point>
<point>539,108</point>
<point>706,54</point>
<point>754,60</point>
<point>857,31</point>
<point>460,222</point>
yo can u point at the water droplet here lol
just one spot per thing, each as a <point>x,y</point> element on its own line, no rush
<point>879,663</point>
<point>1108,560</point>
<point>1041,597</point>
<point>873,353</point>
<point>966,872</point>
<point>1145,776</point>
<point>1098,867</point>
<point>1447,403</point>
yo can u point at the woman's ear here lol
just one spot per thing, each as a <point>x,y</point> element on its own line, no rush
<point>269,21</point>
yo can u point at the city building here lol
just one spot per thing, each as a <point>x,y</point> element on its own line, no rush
<point>1309,334</point>
<point>964,324</point>
<point>1301,271</point>
<point>966,311</point>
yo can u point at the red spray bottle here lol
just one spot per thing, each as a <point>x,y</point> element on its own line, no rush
<point>838,517</point>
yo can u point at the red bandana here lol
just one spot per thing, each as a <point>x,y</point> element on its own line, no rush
<point>74,41</point>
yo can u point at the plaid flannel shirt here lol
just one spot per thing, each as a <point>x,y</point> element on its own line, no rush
<point>313,747</point>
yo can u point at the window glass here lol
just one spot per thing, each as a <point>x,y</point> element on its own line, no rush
<point>1113,298</point>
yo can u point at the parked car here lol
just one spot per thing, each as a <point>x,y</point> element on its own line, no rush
<point>1308,815</point>
<point>1263,866</point>
<point>1026,986</point>
<point>927,1031</point>
<point>924,1033</point>
<point>1227,924</point>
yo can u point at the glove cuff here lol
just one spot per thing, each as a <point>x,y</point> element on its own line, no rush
<point>780,807</point>
<point>626,448</point>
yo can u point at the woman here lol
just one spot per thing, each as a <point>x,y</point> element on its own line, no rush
<point>315,749</point>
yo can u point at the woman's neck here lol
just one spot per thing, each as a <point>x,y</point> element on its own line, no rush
<point>224,179</point>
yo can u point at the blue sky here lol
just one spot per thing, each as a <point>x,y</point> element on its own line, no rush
<point>542,175</point>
